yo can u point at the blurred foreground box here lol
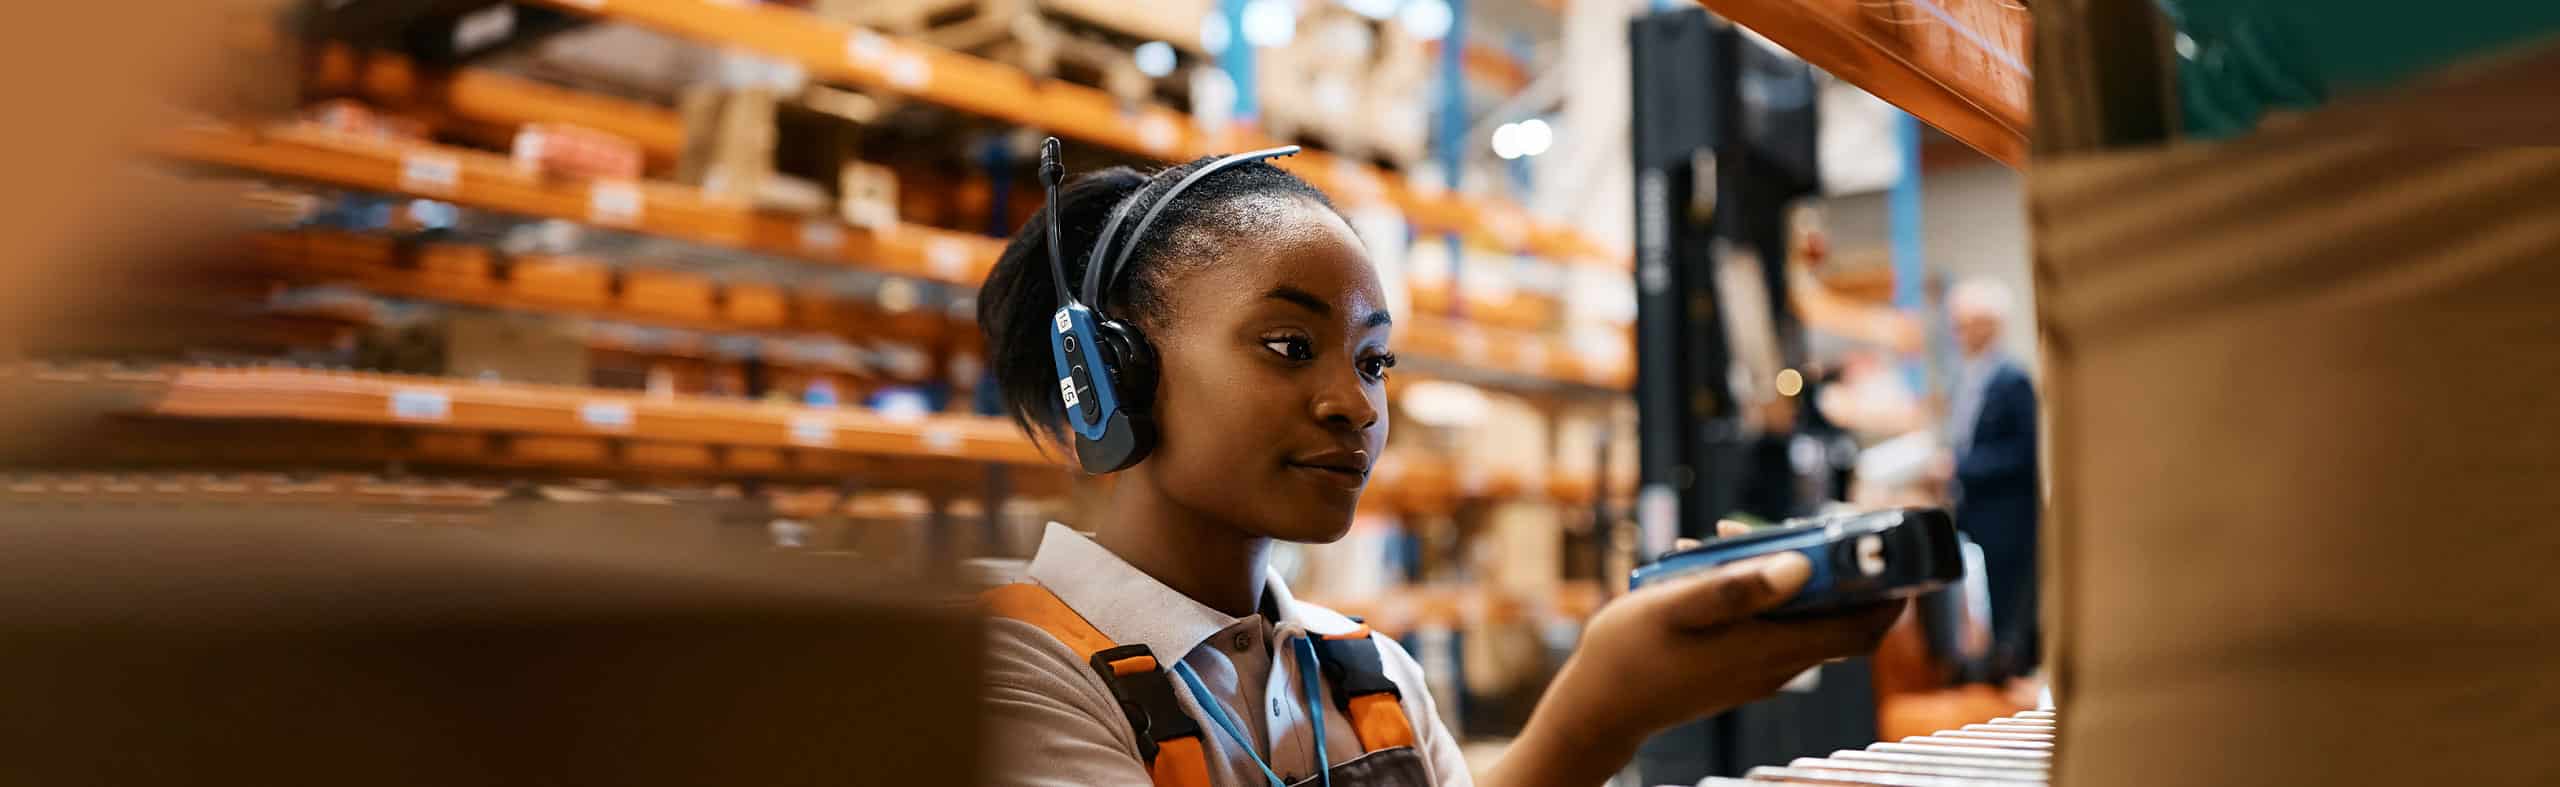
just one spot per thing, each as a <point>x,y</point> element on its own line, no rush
<point>283,646</point>
<point>2304,430</point>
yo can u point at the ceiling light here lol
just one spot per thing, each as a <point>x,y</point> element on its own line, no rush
<point>1426,19</point>
<point>1506,141</point>
<point>1214,35</point>
<point>1374,9</point>
<point>1269,23</point>
<point>1155,59</point>
<point>1535,137</point>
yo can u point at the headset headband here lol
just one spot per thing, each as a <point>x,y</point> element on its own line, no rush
<point>1093,269</point>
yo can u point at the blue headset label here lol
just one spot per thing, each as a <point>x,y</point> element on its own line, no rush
<point>1064,324</point>
<point>1067,389</point>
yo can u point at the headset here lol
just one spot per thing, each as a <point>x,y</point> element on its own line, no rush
<point>1106,369</point>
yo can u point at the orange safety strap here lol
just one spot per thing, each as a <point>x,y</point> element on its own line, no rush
<point>1377,714</point>
<point>1038,606</point>
<point>1180,763</point>
<point>1177,761</point>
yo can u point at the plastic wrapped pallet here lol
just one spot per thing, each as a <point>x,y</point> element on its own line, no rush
<point>2301,426</point>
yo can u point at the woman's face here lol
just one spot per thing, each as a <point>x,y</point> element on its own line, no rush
<point>1272,400</point>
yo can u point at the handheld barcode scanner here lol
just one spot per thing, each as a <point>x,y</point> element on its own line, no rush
<point>1857,558</point>
<point>1106,369</point>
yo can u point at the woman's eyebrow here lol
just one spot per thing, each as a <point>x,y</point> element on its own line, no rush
<point>1310,302</point>
<point>1303,298</point>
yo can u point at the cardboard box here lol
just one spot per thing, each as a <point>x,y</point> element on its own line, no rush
<point>751,146</point>
<point>754,305</point>
<point>560,279</point>
<point>867,195</point>
<point>674,294</point>
<point>576,151</point>
<point>557,653</point>
<point>457,268</point>
<point>728,141</point>
<point>2299,408</point>
<point>475,345</point>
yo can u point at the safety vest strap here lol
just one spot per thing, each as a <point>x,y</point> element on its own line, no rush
<point>1168,739</point>
<point>1171,742</point>
<point>1361,689</point>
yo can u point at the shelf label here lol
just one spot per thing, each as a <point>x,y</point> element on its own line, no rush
<point>608,416</point>
<point>430,173</point>
<point>1533,357</point>
<point>865,47</point>
<point>821,235</point>
<point>1473,479</point>
<point>949,258</point>
<point>611,202</point>
<point>1471,346</point>
<point>421,404</point>
<point>1357,179</point>
<point>942,440</point>
<point>909,71</point>
<point>1158,133</point>
<point>813,430</point>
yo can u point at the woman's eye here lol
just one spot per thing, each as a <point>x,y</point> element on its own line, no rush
<point>1292,348</point>
<point>1375,367</point>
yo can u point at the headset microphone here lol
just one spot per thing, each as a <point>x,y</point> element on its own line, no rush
<point>1051,172</point>
<point>1106,369</point>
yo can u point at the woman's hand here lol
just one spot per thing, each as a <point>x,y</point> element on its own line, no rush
<point>1674,652</point>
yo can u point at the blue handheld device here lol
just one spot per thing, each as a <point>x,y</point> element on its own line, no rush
<point>1858,558</point>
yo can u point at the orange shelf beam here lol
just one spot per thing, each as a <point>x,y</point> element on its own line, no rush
<point>368,399</point>
<point>369,266</point>
<point>840,52</point>
<point>492,182</point>
<point>1514,352</point>
<point>1912,54</point>
<point>493,98</point>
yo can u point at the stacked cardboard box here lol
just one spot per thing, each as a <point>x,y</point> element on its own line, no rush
<point>756,145</point>
<point>1356,85</point>
<point>2300,441</point>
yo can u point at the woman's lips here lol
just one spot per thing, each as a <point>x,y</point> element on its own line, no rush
<point>1343,477</point>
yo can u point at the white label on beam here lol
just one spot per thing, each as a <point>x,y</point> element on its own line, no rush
<point>613,202</point>
<point>1158,133</point>
<point>430,173</point>
<point>1471,346</point>
<point>909,71</point>
<point>865,47</point>
<point>949,258</point>
<point>421,404</point>
<point>821,235</point>
<point>607,416</point>
<point>942,440</point>
<point>1533,357</point>
<point>813,430</point>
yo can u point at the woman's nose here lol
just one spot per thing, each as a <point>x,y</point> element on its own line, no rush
<point>1346,407</point>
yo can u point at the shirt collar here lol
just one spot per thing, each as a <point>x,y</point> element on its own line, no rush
<point>1131,607</point>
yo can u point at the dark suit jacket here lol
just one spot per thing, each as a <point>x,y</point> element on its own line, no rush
<point>1997,477</point>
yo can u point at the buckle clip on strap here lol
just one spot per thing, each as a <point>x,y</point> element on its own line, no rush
<point>1352,664</point>
<point>1145,695</point>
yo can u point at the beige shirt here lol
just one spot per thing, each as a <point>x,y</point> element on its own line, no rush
<point>1051,721</point>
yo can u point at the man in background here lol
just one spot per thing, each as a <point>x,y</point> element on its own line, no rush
<point>1991,426</point>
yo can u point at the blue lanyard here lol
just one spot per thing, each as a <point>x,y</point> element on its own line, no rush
<point>1307,675</point>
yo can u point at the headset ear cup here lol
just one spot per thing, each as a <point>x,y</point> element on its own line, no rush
<point>1131,435</point>
<point>1133,366</point>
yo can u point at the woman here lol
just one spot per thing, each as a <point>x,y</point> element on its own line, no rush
<point>1162,650</point>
